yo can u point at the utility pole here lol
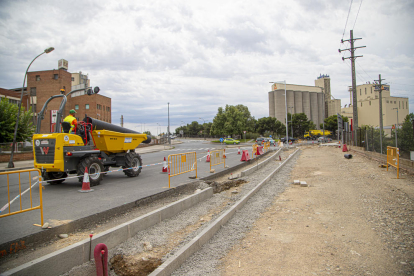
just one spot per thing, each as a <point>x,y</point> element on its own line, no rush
<point>380,88</point>
<point>354,95</point>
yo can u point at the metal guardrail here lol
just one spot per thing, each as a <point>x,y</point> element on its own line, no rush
<point>181,163</point>
<point>393,159</point>
<point>217,157</point>
<point>20,193</point>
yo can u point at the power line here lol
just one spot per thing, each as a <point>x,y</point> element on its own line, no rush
<point>364,71</point>
<point>357,15</point>
<point>349,11</point>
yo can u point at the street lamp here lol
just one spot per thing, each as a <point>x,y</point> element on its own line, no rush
<point>287,128</point>
<point>204,128</point>
<point>396,144</point>
<point>11,165</point>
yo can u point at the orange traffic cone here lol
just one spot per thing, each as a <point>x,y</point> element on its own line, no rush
<point>164,166</point>
<point>208,156</point>
<point>86,186</point>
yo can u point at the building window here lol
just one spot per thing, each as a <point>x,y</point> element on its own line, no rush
<point>86,106</point>
<point>76,106</point>
<point>371,89</point>
<point>98,106</point>
<point>406,105</point>
<point>13,101</point>
<point>388,102</point>
<point>73,79</point>
<point>360,93</point>
<point>365,90</point>
<point>395,102</point>
<point>361,103</point>
<point>37,77</point>
<point>32,91</point>
<point>369,102</point>
<point>56,76</point>
<point>399,104</point>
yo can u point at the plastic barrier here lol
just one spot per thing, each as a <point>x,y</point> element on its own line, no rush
<point>181,163</point>
<point>344,148</point>
<point>393,159</point>
<point>20,193</point>
<point>254,150</point>
<point>245,156</point>
<point>259,150</point>
<point>218,157</point>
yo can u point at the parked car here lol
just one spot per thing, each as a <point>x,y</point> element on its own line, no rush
<point>272,142</point>
<point>231,141</point>
<point>291,139</point>
<point>260,140</point>
<point>320,139</point>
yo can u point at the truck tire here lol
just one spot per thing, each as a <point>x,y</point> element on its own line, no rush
<point>48,176</point>
<point>134,161</point>
<point>95,170</point>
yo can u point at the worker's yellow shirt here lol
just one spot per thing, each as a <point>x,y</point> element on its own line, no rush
<point>72,121</point>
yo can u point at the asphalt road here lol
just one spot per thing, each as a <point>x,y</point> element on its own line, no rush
<point>63,202</point>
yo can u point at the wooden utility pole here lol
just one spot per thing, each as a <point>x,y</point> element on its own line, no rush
<point>354,95</point>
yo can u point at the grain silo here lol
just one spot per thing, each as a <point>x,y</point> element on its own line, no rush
<point>306,104</point>
<point>314,107</point>
<point>298,102</point>
<point>320,110</point>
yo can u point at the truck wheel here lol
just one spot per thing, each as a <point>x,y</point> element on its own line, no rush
<point>134,161</point>
<point>95,169</point>
<point>49,176</point>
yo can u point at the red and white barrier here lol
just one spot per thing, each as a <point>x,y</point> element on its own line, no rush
<point>208,156</point>
<point>164,166</point>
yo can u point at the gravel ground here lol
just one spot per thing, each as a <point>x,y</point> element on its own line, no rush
<point>144,252</point>
<point>206,261</point>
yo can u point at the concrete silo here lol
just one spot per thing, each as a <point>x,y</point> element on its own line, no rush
<point>290,101</point>
<point>280,111</point>
<point>314,107</point>
<point>321,114</point>
<point>298,102</point>
<point>306,104</point>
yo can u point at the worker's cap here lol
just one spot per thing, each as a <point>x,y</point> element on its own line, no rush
<point>72,111</point>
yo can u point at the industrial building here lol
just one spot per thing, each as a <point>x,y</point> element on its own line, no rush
<point>41,85</point>
<point>368,106</point>
<point>315,101</point>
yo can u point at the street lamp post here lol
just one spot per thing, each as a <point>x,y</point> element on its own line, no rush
<point>396,126</point>
<point>204,128</point>
<point>287,128</point>
<point>11,164</point>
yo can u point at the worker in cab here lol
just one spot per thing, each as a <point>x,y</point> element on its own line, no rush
<point>72,121</point>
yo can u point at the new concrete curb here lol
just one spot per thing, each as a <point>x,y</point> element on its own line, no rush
<point>197,242</point>
<point>260,165</point>
<point>76,254</point>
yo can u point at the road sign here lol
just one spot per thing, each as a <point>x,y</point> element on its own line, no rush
<point>244,131</point>
<point>270,136</point>
<point>221,140</point>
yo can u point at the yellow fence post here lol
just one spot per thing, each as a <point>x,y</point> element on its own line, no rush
<point>20,194</point>
<point>181,163</point>
<point>217,157</point>
<point>393,159</point>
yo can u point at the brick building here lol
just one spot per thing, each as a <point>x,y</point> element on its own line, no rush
<point>41,85</point>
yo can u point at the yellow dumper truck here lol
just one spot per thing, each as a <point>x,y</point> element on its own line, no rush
<point>314,134</point>
<point>97,145</point>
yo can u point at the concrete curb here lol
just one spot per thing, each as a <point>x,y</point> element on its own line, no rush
<point>259,165</point>
<point>76,254</point>
<point>195,244</point>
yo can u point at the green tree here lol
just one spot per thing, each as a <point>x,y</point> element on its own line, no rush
<point>147,132</point>
<point>300,124</point>
<point>270,124</point>
<point>8,116</point>
<point>231,120</point>
<point>194,128</point>
<point>405,135</point>
<point>331,123</point>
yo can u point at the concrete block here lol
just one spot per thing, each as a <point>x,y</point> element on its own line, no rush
<point>296,182</point>
<point>303,184</point>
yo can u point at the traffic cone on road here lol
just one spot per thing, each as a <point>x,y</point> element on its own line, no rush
<point>164,166</point>
<point>208,156</point>
<point>238,151</point>
<point>86,185</point>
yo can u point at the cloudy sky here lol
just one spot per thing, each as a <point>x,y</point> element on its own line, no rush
<point>200,55</point>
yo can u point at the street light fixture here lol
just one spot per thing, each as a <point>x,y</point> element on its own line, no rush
<point>396,126</point>
<point>287,128</point>
<point>11,164</point>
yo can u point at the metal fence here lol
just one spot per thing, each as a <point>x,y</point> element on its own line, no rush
<point>19,147</point>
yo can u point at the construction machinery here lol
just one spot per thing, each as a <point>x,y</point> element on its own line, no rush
<point>96,145</point>
<point>314,134</point>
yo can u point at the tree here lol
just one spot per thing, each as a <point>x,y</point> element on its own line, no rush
<point>232,120</point>
<point>270,124</point>
<point>405,135</point>
<point>331,123</point>
<point>300,124</point>
<point>8,116</point>
<point>147,132</point>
